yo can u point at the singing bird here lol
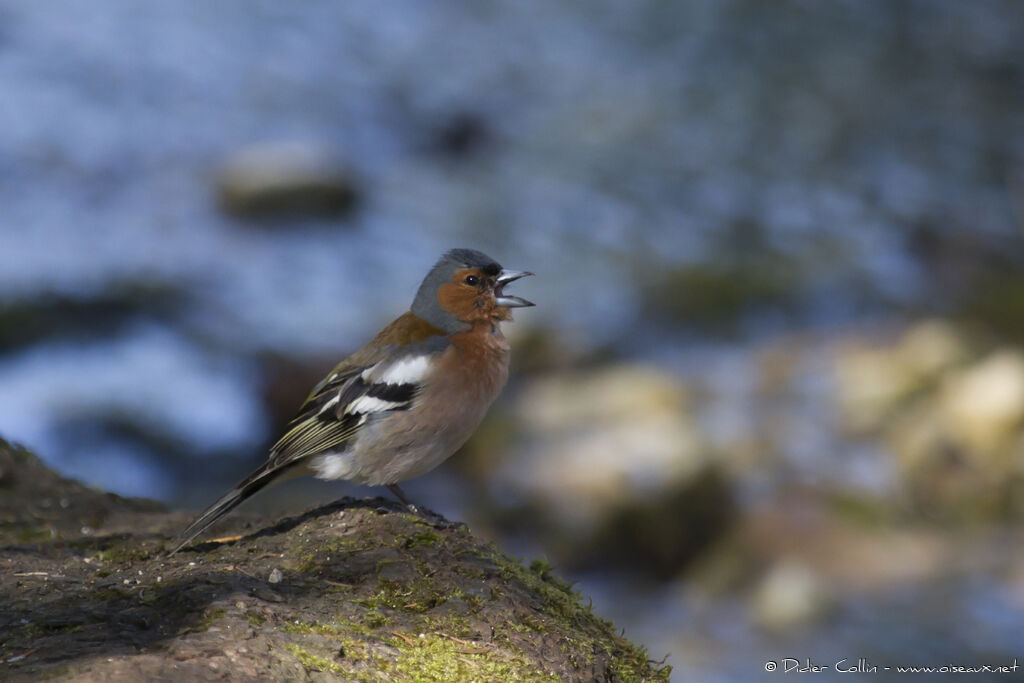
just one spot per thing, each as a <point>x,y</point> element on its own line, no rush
<point>401,405</point>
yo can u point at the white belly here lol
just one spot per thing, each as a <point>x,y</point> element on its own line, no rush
<point>397,448</point>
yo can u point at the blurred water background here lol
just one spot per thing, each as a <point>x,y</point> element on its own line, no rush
<point>771,401</point>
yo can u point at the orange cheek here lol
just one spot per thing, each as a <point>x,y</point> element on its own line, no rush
<point>457,301</point>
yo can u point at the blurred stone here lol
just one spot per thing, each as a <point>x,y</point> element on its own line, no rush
<point>714,297</point>
<point>539,349</point>
<point>936,481</point>
<point>953,427</point>
<point>848,556</point>
<point>777,364</point>
<point>285,179</point>
<point>983,405</point>
<point>608,436</point>
<point>872,381</point>
<point>990,291</point>
<point>790,596</point>
<point>931,347</point>
<point>461,135</point>
<point>958,440</point>
<point>916,436</point>
<point>610,465</point>
<point>86,315</point>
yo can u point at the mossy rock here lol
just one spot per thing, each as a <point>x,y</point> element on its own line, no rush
<point>356,590</point>
<point>85,316</point>
<point>715,297</point>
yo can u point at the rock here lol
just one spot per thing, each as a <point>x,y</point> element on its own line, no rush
<point>111,605</point>
<point>873,380</point>
<point>869,383</point>
<point>610,463</point>
<point>714,297</point>
<point>789,596</point>
<point>285,179</point>
<point>983,405</point>
<point>918,438</point>
<point>86,315</point>
<point>609,436</point>
<point>953,426</point>
<point>932,347</point>
<point>777,366</point>
<point>541,350</point>
<point>793,540</point>
<point>37,504</point>
<point>958,444</point>
<point>461,135</point>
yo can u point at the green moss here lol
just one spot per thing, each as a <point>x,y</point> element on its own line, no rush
<point>313,662</point>
<point>417,597</point>
<point>35,629</point>
<point>342,628</point>
<point>34,534</point>
<point>306,562</point>
<point>563,605</point>
<point>204,623</point>
<point>427,537</point>
<point>374,619</point>
<point>528,623</point>
<point>255,618</point>
<point>381,564</point>
<point>211,616</point>
<point>448,625</point>
<point>470,572</point>
<point>111,593</point>
<point>558,598</point>
<point>123,555</point>
<point>311,557</point>
<point>350,639</point>
<point>475,602</point>
<point>541,567</point>
<point>433,657</point>
<point>561,611</point>
<point>312,627</point>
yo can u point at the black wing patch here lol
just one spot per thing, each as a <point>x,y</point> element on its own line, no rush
<point>332,415</point>
<point>395,393</point>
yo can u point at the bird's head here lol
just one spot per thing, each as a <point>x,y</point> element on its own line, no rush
<point>466,286</point>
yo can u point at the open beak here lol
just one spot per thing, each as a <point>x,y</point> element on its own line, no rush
<point>507,300</point>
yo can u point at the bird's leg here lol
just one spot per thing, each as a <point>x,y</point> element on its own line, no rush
<point>397,491</point>
<point>428,515</point>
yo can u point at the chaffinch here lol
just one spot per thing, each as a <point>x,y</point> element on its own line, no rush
<point>401,405</point>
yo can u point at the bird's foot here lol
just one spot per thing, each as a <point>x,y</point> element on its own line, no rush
<point>427,515</point>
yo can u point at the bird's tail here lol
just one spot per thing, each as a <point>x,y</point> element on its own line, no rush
<point>241,492</point>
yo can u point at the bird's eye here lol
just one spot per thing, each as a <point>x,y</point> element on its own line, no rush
<point>472,280</point>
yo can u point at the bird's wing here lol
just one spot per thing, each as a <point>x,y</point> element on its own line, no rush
<point>363,386</point>
<point>384,376</point>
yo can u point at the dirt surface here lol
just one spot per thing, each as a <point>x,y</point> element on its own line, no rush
<point>356,590</point>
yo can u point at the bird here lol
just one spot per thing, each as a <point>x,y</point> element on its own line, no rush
<point>404,403</point>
